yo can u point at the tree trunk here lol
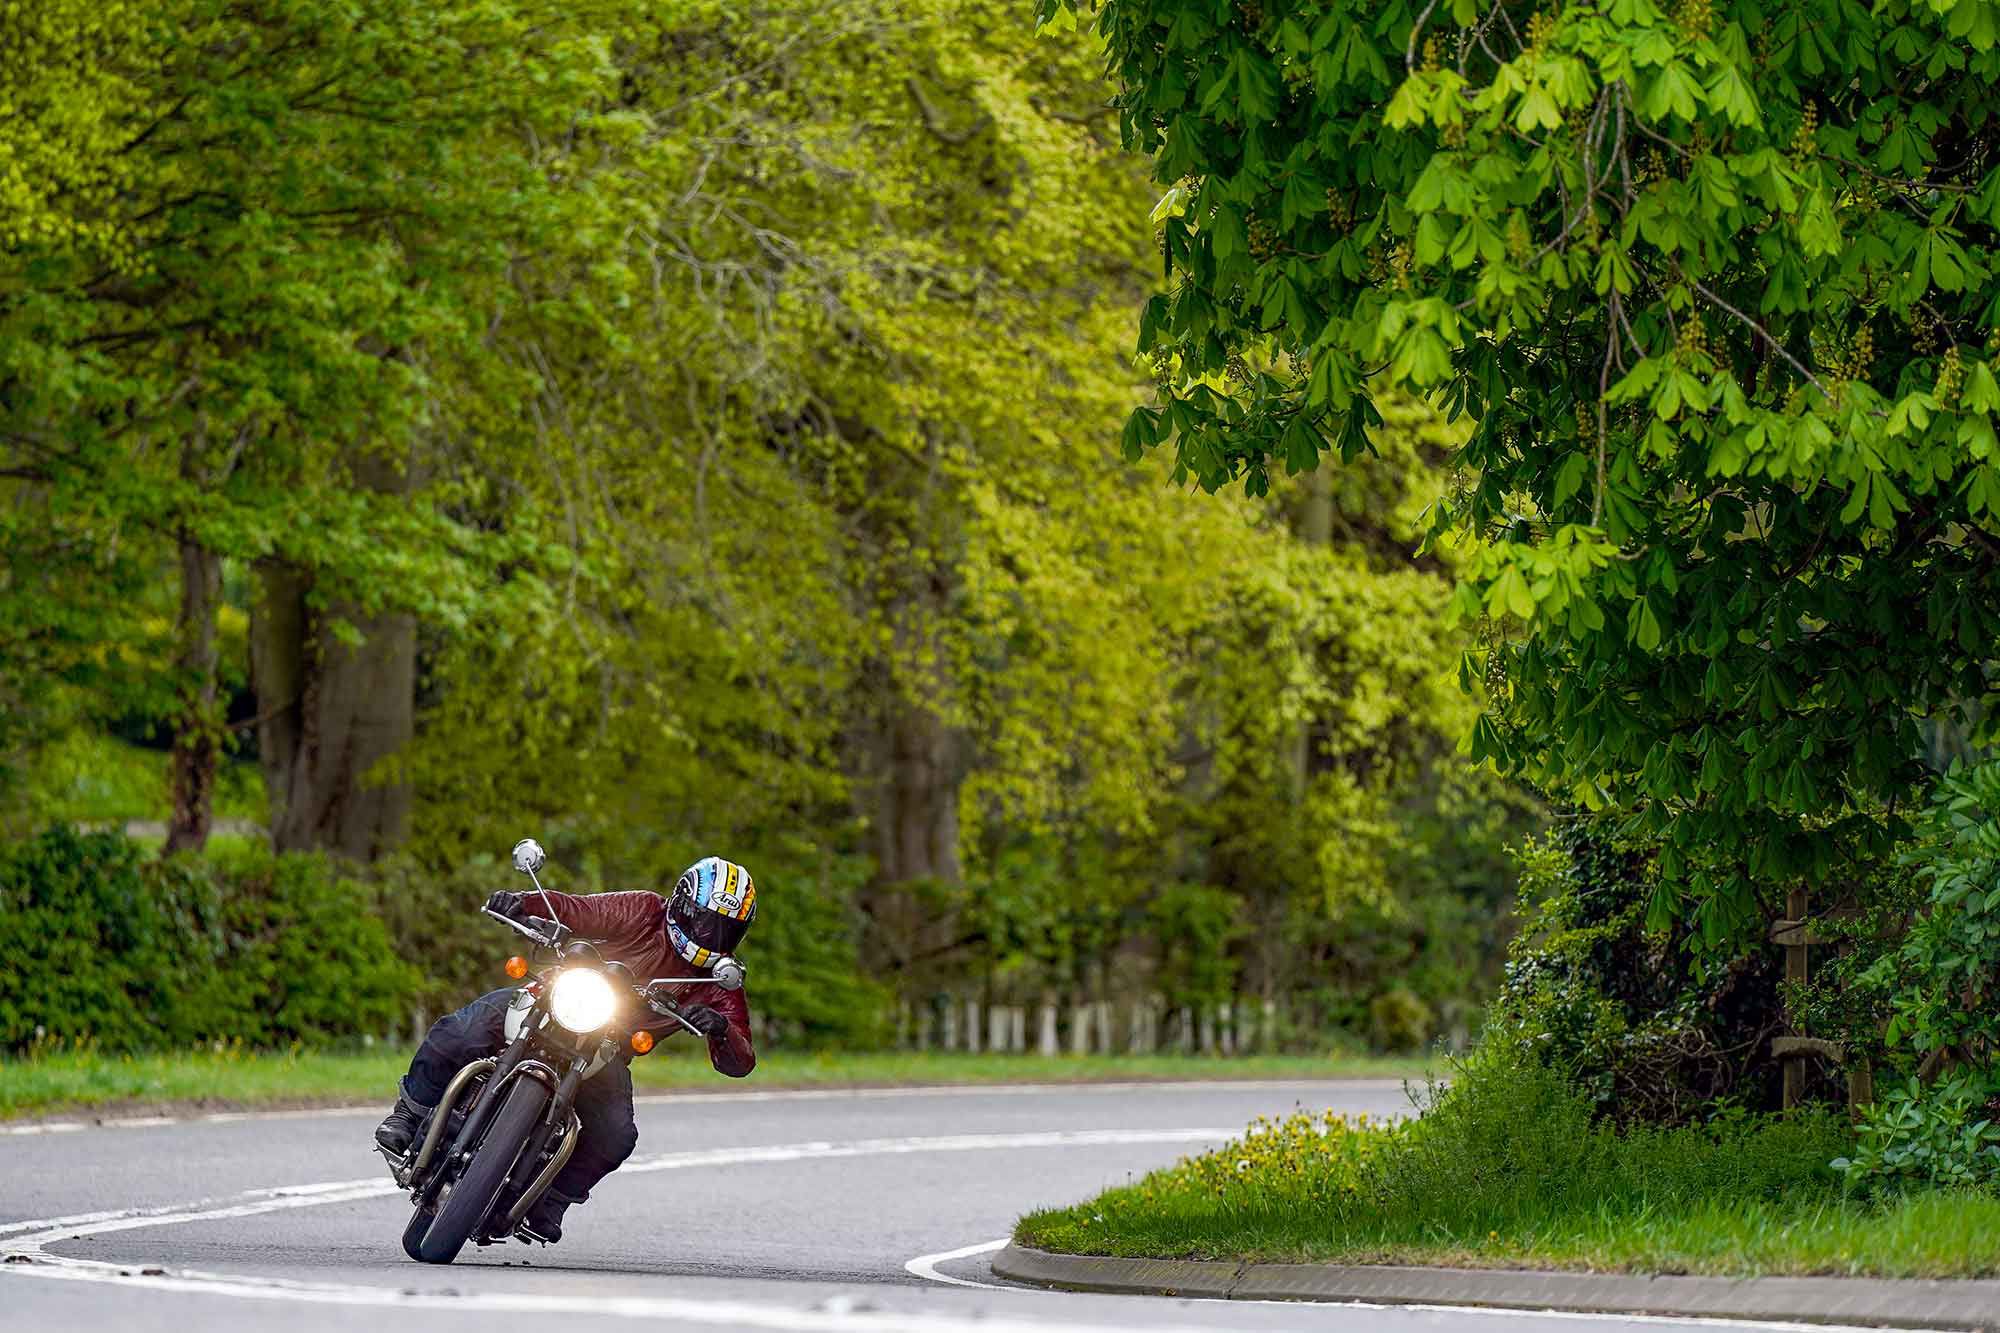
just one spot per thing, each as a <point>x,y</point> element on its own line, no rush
<point>279,661</point>
<point>332,712</point>
<point>908,782</point>
<point>198,730</point>
<point>919,824</point>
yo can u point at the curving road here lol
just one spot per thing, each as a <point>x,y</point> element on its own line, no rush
<point>821,1212</point>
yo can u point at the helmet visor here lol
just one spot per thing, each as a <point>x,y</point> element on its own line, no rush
<point>711,930</point>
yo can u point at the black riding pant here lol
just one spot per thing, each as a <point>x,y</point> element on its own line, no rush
<point>603,1102</point>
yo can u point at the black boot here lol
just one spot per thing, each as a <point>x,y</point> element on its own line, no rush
<point>395,1134</point>
<point>544,1219</point>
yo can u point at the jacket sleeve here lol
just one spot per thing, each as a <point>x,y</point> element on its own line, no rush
<point>599,916</point>
<point>731,1053</point>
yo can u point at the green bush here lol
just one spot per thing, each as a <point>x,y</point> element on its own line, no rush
<point>1510,1152</point>
<point>1398,1020</point>
<point>1942,989</point>
<point>807,980</point>
<point>1512,1135</point>
<point>1650,1032</point>
<point>108,945</point>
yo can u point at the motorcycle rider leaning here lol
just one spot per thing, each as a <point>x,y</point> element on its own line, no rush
<point>682,935</point>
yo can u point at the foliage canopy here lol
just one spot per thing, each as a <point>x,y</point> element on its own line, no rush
<point>1715,285</point>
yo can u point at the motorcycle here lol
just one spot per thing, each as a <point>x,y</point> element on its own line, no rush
<point>505,1126</point>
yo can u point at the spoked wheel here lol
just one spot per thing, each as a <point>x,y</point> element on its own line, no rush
<point>466,1207</point>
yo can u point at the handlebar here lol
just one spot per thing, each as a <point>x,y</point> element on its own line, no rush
<point>727,972</point>
<point>663,1005</point>
<point>552,940</point>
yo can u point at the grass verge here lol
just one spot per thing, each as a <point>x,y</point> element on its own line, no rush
<point>50,1083</point>
<point>1508,1171</point>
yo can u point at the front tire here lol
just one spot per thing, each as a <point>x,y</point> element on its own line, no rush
<point>413,1234</point>
<point>465,1209</point>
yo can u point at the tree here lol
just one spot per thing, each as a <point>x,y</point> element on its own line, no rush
<point>260,224</point>
<point>1715,286</point>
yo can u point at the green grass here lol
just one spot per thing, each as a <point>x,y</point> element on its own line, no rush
<point>56,1082</point>
<point>1509,1171</point>
<point>91,778</point>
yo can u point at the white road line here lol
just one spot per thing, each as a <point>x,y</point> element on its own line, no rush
<point>835,1316</point>
<point>793,1152</point>
<point>724,1094</point>
<point>925,1265</point>
<point>44,1231</point>
<point>1667,1320</point>
<point>26,1255</point>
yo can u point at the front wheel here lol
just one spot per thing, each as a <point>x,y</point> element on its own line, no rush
<point>413,1234</point>
<point>465,1209</point>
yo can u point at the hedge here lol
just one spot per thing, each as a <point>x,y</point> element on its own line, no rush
<point>102,941</point>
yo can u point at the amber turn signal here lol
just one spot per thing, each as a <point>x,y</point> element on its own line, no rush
<point>517,967</point>
<point>642,1042</point>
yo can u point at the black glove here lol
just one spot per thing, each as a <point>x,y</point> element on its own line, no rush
<point>505,903</point>
<point>706,1021</point>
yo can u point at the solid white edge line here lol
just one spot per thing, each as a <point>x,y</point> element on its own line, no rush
<point>774,1095</point>
<point>34,1261</point>
<point>925,1265</point>
<point>28,1256</point>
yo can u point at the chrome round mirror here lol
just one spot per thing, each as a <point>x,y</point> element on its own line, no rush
<point>529,856</point>
<point>728,974</point>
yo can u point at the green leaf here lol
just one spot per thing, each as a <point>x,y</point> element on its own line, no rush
<point>1569,476</point>
<point>1645,625</point>
<point>1509,595</point>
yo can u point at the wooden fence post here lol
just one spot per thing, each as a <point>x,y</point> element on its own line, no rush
<point>1796,934</point>
<point>1796,962</point>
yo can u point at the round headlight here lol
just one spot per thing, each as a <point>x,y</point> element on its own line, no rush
<point>582,1000</point>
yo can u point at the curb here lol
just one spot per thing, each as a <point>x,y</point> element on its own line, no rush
<point>1969,1305</point>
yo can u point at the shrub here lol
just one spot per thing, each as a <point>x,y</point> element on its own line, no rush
<point>806,975</point>
<point>1399,1021</point>
<point>1648,1031</point>
<point>109,945</point>
<point>1510,1148</point>
<point>1942,985</point>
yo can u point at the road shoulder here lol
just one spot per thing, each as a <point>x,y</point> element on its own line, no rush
<point>1971,1304</point>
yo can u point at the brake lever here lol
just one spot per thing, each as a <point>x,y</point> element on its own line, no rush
<point>666,1009</point>
<point>529,931</point>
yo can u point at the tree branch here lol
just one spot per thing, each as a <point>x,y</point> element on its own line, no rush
<point>1763,333</point>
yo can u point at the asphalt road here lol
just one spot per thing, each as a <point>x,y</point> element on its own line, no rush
<point>819,1212</point>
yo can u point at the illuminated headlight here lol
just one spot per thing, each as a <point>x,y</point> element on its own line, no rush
<point>582,1000</point>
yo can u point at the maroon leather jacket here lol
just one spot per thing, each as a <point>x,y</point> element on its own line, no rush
<point>631,928</point>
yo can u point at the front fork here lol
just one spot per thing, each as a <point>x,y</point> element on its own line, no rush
<point>559,1114</point>
<point>425,1173</point>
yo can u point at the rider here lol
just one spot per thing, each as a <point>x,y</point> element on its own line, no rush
<point>683,935</point>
